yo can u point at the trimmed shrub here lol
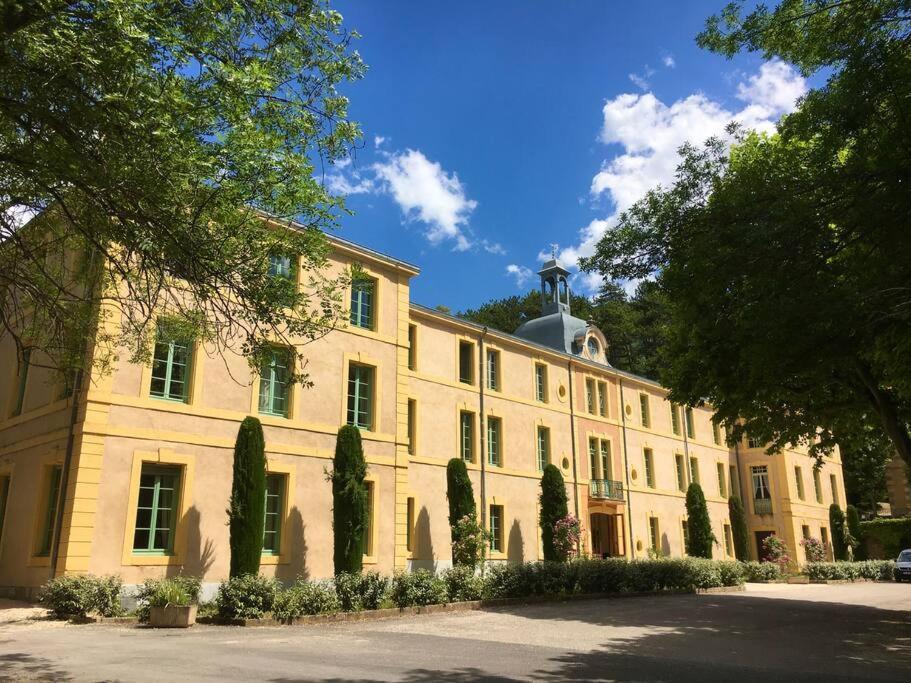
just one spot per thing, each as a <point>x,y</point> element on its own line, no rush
<point>248,596</point>
<point>553,508</point>
<point>775,550</point>
<point>761,571</point>
<point>837,525</point>
<point>247,510</point>
<point>873,570</point>
<point>304,598</point>
<point>732,572</point>
<point>420,587</point>
<point>468,539</point>
<point>739,529</point>
<point>698,524</point>
<point>176,590</point>
<point>358,592</point>
<point>463,584</point>
<point>349,501</point>
<point>78,595</point>
<point>885,538</point>
<point>852,520</point>
<point>814,548</point>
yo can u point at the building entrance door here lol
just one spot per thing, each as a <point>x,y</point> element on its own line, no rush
<point>760,537</point>
<point>605,535</point>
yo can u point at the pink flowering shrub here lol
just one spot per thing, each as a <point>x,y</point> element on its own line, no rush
<point>567,531</point>
<point>815,549</point>
<point>774,550</point>
<point>470,542</point>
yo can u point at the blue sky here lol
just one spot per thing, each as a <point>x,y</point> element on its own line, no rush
<point>493,129</point>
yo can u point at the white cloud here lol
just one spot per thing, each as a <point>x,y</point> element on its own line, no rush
<point>339,183</point>
<point>427,193</point>
<point>639,82</point>
<point>378,140</point>
<point>668,61</point>
<point>520,273</point>
<point>649,133</point>
<point>493,247</point>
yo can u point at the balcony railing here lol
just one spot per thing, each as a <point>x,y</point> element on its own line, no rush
<point>606,488</point>
<point>762,506</point>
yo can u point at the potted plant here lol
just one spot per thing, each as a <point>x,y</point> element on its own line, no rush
<point>172,604</point>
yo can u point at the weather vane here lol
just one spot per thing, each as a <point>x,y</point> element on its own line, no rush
<point>553,250</point>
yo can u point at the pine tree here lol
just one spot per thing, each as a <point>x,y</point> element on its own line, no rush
<point>699,526</point>
<point>459,492</point>
<point>247,511</point>
<point>739,529</point>
<point>837,525</point>
<point>349,501</point>
<point>553,507</point>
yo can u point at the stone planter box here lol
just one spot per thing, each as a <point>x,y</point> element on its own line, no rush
<point>172,616</point>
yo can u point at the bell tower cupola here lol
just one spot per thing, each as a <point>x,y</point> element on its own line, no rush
<point>554,288</point>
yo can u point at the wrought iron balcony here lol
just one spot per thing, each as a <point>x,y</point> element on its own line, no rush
<point>762,506</point>
<point>606,488</point>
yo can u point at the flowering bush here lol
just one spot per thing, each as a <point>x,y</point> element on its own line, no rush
<point>469,542</point>
<point>774,550</point>
<point>761,571</point>
<point>566,535</point>
<point>815,549</point>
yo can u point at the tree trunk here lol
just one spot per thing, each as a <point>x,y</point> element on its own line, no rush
<point>885,407</point>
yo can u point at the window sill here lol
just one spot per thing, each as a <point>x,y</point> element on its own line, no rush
<point>273,559</point>
<point>369,559</point>
<point>39,561</point>
<point>151,560</point>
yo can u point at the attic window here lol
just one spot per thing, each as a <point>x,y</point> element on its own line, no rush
<point>593,347</point>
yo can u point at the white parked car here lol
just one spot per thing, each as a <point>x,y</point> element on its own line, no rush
<point>903,566</point>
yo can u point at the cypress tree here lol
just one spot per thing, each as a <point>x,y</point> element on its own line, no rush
<point>837,525</point>
<point>247,511</point>
<point>459,492</point>
<point>739,529</point>
<point>698,524</point>
<point>349,501</point>
<point>852,518</point>
<point>553,507</point>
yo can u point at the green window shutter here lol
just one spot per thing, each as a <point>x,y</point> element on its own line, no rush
<point>362,304</point>
<point>156,510</point>
<point>493,370</point>
<point>593,457</point>
<point>496,528</point>
<point>170,368</point>
<point>23,382</point>
<point>543,448</point>
<point>50,512</point>
<point>722,482</point>
<point>360,396</point>
<point>467,436</point>
<point>274,385</point>
<point>606,468</point>
<point>541,383</point>
<point>649,468</point>
<point>681,474</point>
<point>275,506</point>
<point>644,410</point>
<point>675,419</point>
<point>690,427</point>
<point>590,395</point>
<point>493,441</point>
<point>602,399</point>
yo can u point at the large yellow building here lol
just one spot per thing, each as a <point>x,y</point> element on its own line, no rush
<point>142,467</point>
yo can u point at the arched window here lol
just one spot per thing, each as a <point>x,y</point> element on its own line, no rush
<point>549,289</point>
<point>564,291</point>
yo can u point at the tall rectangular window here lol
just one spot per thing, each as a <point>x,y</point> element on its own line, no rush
<point>675,419</point>
<point>590,395</point>
<point>602,399</point>
<point>156,510</point>
<point>541,382</point>
<point>607,468</point>
<point>817,486</point>
<point>690,423</point>
<point>494,441</point>
<point>681,472</point>
<point>275,510</point>
<point>645,411</point>
<point>412,347</point>
<point>466,362</point>
<point>466,435</point>
<point>49,508</point>
<point>493,370</point>
<point>716,433</point>
<point>360,396</point>
<point>280,266</point>
<point>694,470</point>
<point>753,442</point>
<point>685,534</point>
<point>833,483</point>
<point>171,367</point>
<point>654,534</point>
<point>728,541</point>
<point>371,518</point>
<point>824,537</point>
<point>649,467</point>
<point>805,531</point>
<point>496,528</point>
<point>274,384</point>
<point>4,497</point>
<point>735,482</point>
<point>762,496</point>
<point>22,382</point>
<point>722,480</point>
<point>363,292</point>
<point>412,425</point>
<point>409,525</point>
<point>798,479</point>
<point>593,458</point>
<point>543,447</point>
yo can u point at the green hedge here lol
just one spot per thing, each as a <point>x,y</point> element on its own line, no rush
<point>761,571</point>
<point>874,570</point>
<point>884,539</point>
<point>79,595</point>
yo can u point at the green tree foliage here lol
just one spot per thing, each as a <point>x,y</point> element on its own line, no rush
<point>247,511</point>
<point>698,524</point>
<point>459,491</point>
<point>739,529</point>
<point>553,505</point>
<point>145,133</point>
<point>852,521</point>
<point>837,526</point>
<point>865,454</point>
<point>797,242</point>
<point>349,501</point>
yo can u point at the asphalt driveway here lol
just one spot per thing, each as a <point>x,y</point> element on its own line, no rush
<point>787,633</point>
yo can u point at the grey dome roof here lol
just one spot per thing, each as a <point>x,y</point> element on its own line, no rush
<point>557,330</point>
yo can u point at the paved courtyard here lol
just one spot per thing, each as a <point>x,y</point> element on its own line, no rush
<point>833,633</point>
